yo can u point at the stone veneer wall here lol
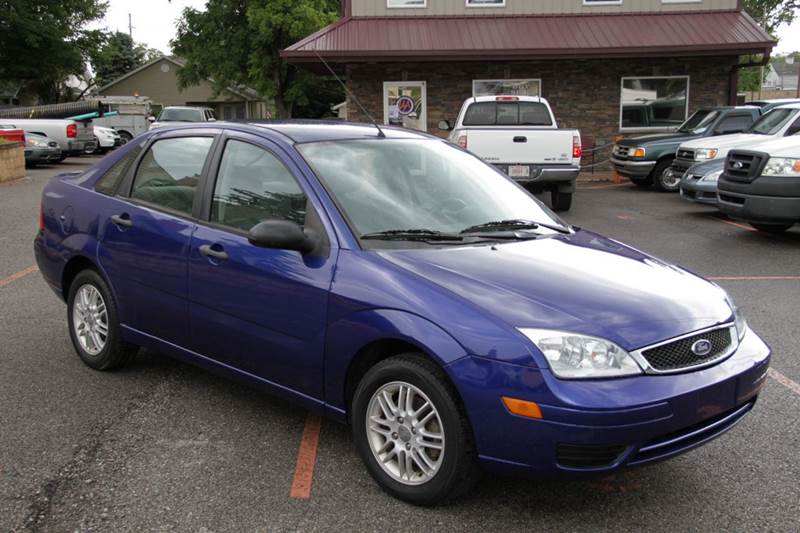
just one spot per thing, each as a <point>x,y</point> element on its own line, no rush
<point>12,161</point>
<point>584,94</point>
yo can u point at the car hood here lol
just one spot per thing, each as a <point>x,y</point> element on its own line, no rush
<point>582,283</point>
<point>727,141</point>
<point>660,138</point>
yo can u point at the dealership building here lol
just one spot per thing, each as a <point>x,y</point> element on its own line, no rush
<point>607,67</point>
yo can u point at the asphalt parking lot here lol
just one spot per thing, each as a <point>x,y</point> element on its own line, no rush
<point>164,446</point>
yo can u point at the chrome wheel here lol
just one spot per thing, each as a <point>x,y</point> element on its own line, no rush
<point>670,179</point>
<point>405,433</point>
<point>90,319</point>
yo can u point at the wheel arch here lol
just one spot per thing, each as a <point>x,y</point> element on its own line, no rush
<point>73,267</point>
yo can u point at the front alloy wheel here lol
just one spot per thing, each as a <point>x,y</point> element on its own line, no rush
<point>665,179</point>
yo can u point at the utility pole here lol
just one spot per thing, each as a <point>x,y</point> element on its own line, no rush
<point>130,26</point>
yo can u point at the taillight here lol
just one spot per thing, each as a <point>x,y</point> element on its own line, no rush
<point>462,141</point>
<point>507,99</point>
<point>41,217</point>
<point>577,149</point>
<point>72,131</point>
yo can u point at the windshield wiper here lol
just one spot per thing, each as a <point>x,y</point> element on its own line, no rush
<point>513,224</point>
<point>412,235</point>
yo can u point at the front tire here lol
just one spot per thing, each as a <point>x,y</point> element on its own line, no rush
<point>664,178</point>
<point>561,201</point>
<point>411,432</point>
<point>771,228</point>
<point>94,324</point>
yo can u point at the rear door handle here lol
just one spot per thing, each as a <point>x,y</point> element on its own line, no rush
<point>122,220</point>
<point>209,251</point>
<point>520,139</point>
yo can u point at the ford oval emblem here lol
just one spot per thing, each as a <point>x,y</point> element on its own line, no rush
<point>738,164</point>
<point>701,348</point>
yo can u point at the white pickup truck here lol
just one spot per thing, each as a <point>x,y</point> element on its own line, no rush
<point>72,136</point>
<point>782,121</point>
<point>519,136</point>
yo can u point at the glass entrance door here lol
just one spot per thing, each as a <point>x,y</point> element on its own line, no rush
<point>404,104</point>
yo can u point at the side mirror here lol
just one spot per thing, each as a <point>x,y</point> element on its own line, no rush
<point>212,120</point>
<point>281,235</point>
<point>151,118</point>
<point>444,125</point>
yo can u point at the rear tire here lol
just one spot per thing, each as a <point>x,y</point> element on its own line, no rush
<point>94,324</point>
<point>664,178</point>
<point>127,137</point>
<point>561,201</point>
<point>384,431</point>
<point>771,228</point>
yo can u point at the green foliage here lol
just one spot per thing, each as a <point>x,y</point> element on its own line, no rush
<point>117,55</point>
<point>238,43</point>
<point>750,79</point>
<point>771,14</point>
<point>42,42</point>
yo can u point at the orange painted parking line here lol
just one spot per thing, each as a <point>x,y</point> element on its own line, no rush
<point>755,278</point>
<point>21,274</point>
<point>306,458</point>
<point>783,380</point>
<point>732,223</point>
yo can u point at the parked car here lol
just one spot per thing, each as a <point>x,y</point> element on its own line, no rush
<point>177,116</point>
<point>768,105</point>
<point>519,135</point>
<point>106,139</point>
<point>782,121</point>
<point>647,160</point>
<point>762,186</point>
<point>398,283</point>
<point>41,150</point>
<point>10,133</point>
<point>699,183</point>
<point>72,136</point>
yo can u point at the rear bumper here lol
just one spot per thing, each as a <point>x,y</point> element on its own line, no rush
<point>600,426</point>
<point>563,176</point>
<point>633,169</point>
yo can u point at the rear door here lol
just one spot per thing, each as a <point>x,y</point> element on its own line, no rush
<point>256,309</point>
<point>145,232</point>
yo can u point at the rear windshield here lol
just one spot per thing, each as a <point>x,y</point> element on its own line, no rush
<point>181,115</point>
<point>507,114</point>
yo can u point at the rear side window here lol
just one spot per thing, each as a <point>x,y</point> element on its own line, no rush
<point>170,172</point>
<point>111,179</point>
<point>735,123</point>
<point>253,185</point>
<point>507,114</point>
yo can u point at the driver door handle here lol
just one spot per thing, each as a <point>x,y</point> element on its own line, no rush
<point>122,220</point>
<point>209,251</point>
<point>520,139</point>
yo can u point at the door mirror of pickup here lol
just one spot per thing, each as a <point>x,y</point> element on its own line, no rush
<point>151,118</point>
<point>282,235</point>
<point>444,125</point>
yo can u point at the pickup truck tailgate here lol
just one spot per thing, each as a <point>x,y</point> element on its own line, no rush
<point>527,146</point>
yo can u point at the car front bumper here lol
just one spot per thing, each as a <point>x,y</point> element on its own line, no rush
<point>633,169</point>
<point>624,422</point>
<point>766,199</point>
<point>38,155</point>
<point>699,191</point>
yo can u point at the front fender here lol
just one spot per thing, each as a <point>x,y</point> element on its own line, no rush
<point>348,335</point>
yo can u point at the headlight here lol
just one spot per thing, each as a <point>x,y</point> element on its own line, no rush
<point>639,152</point>
<point>704,154</point>
<point>782,166</point>
<point>738,317</point>
<point>576,356</point>
<point>714,176</point>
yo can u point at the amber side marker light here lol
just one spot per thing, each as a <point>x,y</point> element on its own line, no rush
<point>522,408</point>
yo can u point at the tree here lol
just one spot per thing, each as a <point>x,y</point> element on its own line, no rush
<point>772,14</point>
<point>43,42</point>
<point>238,43</point>
<point>117,55</point>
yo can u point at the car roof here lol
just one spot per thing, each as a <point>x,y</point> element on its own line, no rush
<point>494,98</point>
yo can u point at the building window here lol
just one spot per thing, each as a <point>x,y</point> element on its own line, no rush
<point>404,104</point>
<point>654,102</point>
<point>486,3</point>
<point>527,87</point>
<point>406,3</point>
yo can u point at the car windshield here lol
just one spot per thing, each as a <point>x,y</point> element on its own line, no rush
<point>408,185</point>
<point>772,122</point>
<point>699,122</point>
<point>181,115</point>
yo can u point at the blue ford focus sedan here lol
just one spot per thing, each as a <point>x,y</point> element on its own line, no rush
<point>399,284</point>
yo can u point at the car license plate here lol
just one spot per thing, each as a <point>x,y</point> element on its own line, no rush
<point>519,171</point>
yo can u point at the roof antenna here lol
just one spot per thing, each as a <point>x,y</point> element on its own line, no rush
<point>352,96</point>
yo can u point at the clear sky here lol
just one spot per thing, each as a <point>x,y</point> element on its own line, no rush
<point>154,22</point>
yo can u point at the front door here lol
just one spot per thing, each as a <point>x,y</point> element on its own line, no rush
<point>256,309</point>
<point>144,238</point>
<point>405,104</point>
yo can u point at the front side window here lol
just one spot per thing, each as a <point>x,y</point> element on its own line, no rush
<point>735,124</point>
<point>521,87</point>
<point>507,113</point>
<point>111,179</point>
<point>403,184</point>
<point>253,185</point>
<point>170,171</point>
<point>654,102</point>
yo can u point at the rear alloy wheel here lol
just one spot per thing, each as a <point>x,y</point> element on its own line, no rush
<point>411,432</point>
<point>561,201</point>
<point>664,178</point>
<point>771,228</point>
<point>93,324</point>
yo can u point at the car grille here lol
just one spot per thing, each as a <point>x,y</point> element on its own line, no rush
<point>686,154</point>
<point>678,355</point>
<point>586,456</point>
<point>744,166</point>
<point>622,151</point>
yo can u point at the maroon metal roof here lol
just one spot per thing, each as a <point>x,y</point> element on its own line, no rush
<point>533,37</point>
